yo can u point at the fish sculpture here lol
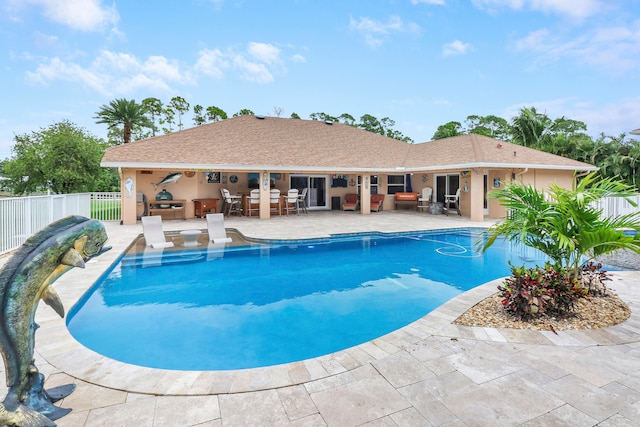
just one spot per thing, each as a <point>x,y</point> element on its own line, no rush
<point>25,279</point>
<point>172,177</point>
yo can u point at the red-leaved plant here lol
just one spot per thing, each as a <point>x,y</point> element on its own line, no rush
<point>530,292</point>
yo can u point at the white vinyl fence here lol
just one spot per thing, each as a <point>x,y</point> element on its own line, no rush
<point>614,206</point>
<point>20,217</point>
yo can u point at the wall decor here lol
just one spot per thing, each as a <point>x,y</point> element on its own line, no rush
<point>224,179</point>
<point>425,177</point>
<point>339,181</point>
<point>213,177</point>
<point>233,179</point>
<point>189,174</point>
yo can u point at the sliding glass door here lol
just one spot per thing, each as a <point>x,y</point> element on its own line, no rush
<point>446,184</point>
<point>316,186</point>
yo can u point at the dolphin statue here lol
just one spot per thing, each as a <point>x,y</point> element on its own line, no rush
<point>172,177</point>
<point>25,279</point>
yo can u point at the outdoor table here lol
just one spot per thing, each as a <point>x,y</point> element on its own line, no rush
<point>190,237</point>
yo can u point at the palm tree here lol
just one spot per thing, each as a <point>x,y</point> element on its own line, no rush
<point>125,113</point>
<point>531,129</point>
<point>567,225</point>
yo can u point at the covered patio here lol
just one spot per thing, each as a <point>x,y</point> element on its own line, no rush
<point>329,160</point>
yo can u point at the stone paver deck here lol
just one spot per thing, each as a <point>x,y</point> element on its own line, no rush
<point>428,373</point>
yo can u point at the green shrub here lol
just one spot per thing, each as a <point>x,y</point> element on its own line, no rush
<point>531,292</point>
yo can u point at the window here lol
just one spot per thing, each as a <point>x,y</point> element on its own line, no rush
<point>374,184</point>
<point>395,184</point>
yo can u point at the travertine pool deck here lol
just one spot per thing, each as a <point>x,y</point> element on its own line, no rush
<point>428,373</point>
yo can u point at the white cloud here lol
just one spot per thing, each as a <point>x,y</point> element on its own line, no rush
<point>83,15</point>
<point>252,71</point>
<point>211,63</point>
<point>436,2</point>
<point>298,58</point>
<point>615,49</point>
<point>112,73</point>
<point>264,52</point>
<point>456,47</point>
<point>119,73</point>
<point>374,31</point>
<point>573,9</point>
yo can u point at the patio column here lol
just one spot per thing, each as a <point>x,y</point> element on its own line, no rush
<point>476,199</point>
<point>365,194</point>
<point>265,195</point>
<point>128,185</point>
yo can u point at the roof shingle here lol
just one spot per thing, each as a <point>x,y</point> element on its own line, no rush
<point>248,142</point>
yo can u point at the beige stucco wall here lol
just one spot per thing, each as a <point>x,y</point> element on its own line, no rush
<point>540,179</point>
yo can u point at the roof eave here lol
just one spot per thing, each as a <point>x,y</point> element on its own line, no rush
<point>333,169</point>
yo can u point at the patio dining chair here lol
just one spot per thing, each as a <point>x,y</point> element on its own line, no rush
<point>274,201</point>
<point>291,201</point>
<point>302,200</point>
<point>253,205</point>
<point>232,204</point>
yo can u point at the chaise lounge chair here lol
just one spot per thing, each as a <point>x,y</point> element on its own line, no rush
<point>350,202</point>
<point>215,225</point>
<point>153,233</point>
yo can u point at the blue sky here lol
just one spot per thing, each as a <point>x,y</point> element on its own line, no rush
<point>421,63</point>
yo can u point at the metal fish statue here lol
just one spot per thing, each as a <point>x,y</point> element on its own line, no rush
<point>172,177</point>
<point>25,279</point>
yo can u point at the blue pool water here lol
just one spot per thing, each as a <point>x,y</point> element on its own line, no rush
<point>261,305</point>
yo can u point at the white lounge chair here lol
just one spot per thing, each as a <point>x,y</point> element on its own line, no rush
<point>215,225</point>
<point>424,201</point>
<point>452,199</point>
<point>153,233</point>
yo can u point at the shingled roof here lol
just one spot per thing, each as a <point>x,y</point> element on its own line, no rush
<point>279,144</point>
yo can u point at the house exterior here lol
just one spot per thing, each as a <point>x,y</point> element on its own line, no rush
<point>330,160</point>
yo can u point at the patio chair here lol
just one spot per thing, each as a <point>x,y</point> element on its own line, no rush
<point>153,233</point>
<point>291,201</point>
<point>215,226</point>
<point>377,201</point>
<point>232,204</point>
<point>274,201</point>
<point>424,201</point>
<point>452,199</point>
<point>302,200</point>
<point>350,202</point>
<point>253,205</point>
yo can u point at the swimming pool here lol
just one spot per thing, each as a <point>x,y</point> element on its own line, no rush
<point>261,305</point>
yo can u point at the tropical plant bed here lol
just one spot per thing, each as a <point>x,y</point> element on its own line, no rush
<point>588,313</point>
